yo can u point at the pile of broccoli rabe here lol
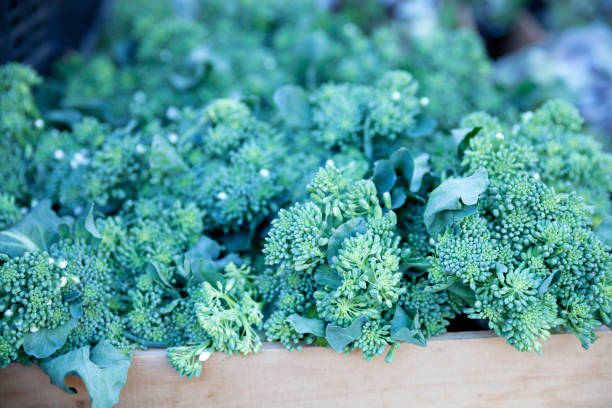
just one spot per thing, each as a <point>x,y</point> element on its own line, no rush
<point>272,171</point>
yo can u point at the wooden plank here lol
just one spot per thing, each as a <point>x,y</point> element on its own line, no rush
<point>474,369</point>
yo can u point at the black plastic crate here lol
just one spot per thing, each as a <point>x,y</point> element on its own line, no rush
<point>37,31</point>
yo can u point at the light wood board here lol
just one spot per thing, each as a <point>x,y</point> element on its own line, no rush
<point>471,369</point>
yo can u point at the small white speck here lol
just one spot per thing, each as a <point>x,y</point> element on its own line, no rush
<point>536,176</point>
<point>396,96</point>
<point>431,241</point>
<point>424,101</point>
<point>78,156</point>
<point>527,116</point>
<point>19,322</point>
<point>34,203</point>
<point>140,96</point>
<point>172,113</point>
<point>222,196</point>
<point>49,302</point>
<point>78,210</point>
<point>24,210</point>
<point>173,138</point>
<point>59,154</point>
<point>62,263</point>
<point>39,123</point>
<point>165,55</point>
<point>75,279</point>
<point>51,261</point>
<point>74,164</point>
<point>269,63</point>
<point>8,313</point>
<point>265,173</point>
<point>205,356</point>
<point>140,149</point>
<point>33,329</point>
<point>329,162</point>
<point>499,136</point>
<point>63,281</point>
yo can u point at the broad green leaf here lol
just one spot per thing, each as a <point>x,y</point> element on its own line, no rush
<point>84,227</point>
<point>339,337</point>
<point>45,342</point>
<point>344,231</point>
<point>305,325</point>
<point>451,200</point>
<point>164,157</point>
<point>324,275</point>
<point>103,369</point>
<point>425,125</point>
<point>398,197</point>
<point>184,82</point>
<point>406,329</point>
<point>292,104</point>
<point>36,231</point>
<point>205,270</point>
<point>465,140</point>
<point>206,248</point>
<point>421,166</point>
<point>64,117</point>
<point>384,176</point>
<point>463,291</point>
<point>604,230</point>
<point>403,162</point>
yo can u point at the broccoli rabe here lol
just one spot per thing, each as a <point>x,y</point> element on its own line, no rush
<point>524,257</point>
<point>336,258</point>
<point>550,144</point>
<point>56,291</point>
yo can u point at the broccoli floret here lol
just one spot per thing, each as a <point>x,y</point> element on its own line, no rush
<point>9,211</point>
<point>550,144</point>
<point>348,116</point>
<point>337,259</point>
<point>568,159</point>
<point>532,262</point>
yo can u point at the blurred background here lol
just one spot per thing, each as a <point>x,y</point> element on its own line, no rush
<point>149,56</point>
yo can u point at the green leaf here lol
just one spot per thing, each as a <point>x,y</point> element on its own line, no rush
<point>206,248</point>
<point>425,125</point>
<point>305,325</point>
<point>403,162</point>
<point>339,337</point>
<point>448,202</point>
<point>103,369</point>
<point>324,275</point>
<point>421,167</point>
<point>604,230</point>
<point>344,231</point>
<point>84,227</point>
<point>76,310</point>
<point>548,282</point>
<point>164,157</point>
<point>398,197</point>
<point>65,117</point>
<point>384,176</point>
<point>416,263</point>
<point>36,231</point>
<point>45,342</point>
<point>463,291</point>
<point>205,270</point>
<point>184,82</point>
<point>465,140</point>
<point>406,329</point>
<point>292,104</point>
